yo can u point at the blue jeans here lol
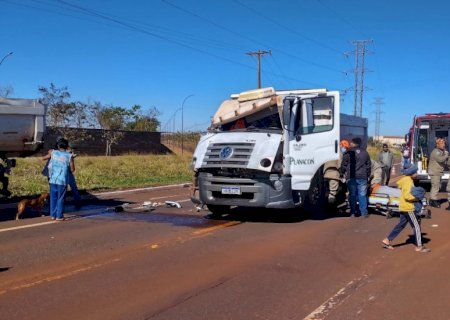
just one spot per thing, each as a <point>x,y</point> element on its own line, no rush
<point>57,194</point>
<point>405,161</point>
<point>357,189</point>
<point>74,188</point>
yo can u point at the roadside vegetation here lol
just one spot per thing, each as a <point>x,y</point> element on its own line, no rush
<point>105,173</point>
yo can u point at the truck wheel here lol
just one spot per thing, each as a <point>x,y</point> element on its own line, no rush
<point>316,194</point>
<point>217,210</point>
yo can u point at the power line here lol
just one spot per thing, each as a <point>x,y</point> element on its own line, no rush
<point>287,28</point>
<point>249,38</point>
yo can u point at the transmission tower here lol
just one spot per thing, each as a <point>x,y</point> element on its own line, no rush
<point>359,71</point>
<point>259,54</point>
<point>378,103</point>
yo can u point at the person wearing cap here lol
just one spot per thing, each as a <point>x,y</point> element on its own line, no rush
<point>438,158</point>
<point>331,172</point>
<point>407,211</point>
<point>356,168</point>
<point>386,158</point>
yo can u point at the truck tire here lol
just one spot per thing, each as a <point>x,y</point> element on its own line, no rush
<point>315,198</point>
<point>218,210</point>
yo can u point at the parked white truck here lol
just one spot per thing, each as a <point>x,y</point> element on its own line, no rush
<point>22,126</point>
<point>267,148</point>
<point>421,140</point>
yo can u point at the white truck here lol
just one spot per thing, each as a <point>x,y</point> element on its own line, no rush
<point>421,140</point>
<point>22,126</point>
<point>267,148</point>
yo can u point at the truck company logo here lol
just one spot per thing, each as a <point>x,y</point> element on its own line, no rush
<point>298,146</point>
<point>299,162</point>
<point>225,153</point>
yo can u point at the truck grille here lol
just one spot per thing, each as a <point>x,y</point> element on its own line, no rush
<point>239,157</point>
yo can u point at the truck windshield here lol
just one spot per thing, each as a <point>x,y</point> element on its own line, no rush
<point>263,120</point>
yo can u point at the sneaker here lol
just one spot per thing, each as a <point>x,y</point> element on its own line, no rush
<point>365,216</point>
<point>435,204</point>
<point>59,219</point>
<point>422,249</point>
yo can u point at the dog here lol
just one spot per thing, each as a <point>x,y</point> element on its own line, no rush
<point>37,203</point>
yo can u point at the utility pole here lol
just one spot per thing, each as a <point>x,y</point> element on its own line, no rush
<point>359,71</point>
<point>259,54</point>
<point>378,103</point>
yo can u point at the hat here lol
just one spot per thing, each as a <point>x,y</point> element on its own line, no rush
<point>344,143</point>
<point>357,141</point>
<point>410,170</point>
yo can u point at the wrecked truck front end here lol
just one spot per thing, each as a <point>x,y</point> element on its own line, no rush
<point>239,162</point>
<point>242,169</point>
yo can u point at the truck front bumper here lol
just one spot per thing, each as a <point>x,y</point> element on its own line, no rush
<point>271,191</point>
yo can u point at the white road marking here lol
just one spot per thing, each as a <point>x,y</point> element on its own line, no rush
<point>27,226</point>
<point>325,308</point>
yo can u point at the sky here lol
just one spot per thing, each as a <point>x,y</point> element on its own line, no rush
<point>184,57</point>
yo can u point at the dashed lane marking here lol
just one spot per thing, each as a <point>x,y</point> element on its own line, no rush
<point>339,297</point>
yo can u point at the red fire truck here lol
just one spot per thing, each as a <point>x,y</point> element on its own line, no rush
<point>421,140</point>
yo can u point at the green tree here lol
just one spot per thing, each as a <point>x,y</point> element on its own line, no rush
<point>63,116</point>
<point>111,119</point>
<point>144,120</point>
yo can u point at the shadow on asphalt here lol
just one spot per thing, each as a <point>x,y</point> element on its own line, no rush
<point>8,206</point>
<point>277,216</point>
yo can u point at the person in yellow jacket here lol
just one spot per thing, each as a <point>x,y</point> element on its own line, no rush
<point>406,208</point>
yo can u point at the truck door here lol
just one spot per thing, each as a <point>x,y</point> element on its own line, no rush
<point>314,137</point>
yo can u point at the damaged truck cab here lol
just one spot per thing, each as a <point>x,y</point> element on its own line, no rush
<point>267,148</point>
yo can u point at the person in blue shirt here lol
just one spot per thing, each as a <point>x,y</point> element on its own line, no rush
<point>61,163</point>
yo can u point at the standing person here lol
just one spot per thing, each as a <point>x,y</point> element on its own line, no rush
<point>4,169</point>
<point>406,154</point>
<point>356,168</point>
<point>407,211</point>
<point>60,163</point>
<point>386,158</point>
<point>331,172</point>
<point>438,158</point>
<point>376,173</point>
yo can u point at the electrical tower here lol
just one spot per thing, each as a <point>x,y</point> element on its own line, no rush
<point>259,54</point>
<point>378,103</point>
<point>359,71</point>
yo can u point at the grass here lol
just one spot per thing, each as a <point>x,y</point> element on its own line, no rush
<point>112,173</point>
<point>105,173</point>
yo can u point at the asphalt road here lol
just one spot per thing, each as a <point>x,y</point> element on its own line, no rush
<point>173,263</point>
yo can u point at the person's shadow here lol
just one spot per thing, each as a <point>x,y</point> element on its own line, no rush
<point>412,240</point>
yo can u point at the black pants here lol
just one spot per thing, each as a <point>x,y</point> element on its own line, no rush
<point>386,175</point>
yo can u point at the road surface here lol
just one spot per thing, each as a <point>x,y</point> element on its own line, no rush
<point>177,263</point>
